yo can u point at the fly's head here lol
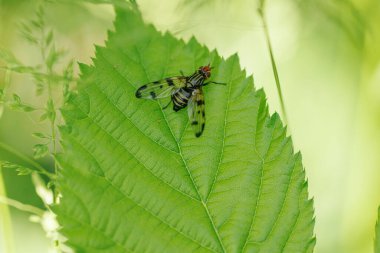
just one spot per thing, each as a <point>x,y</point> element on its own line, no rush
<point>205,71</point>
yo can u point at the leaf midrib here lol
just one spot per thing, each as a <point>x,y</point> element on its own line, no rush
<point>204,204</point>
<point>262,158</point>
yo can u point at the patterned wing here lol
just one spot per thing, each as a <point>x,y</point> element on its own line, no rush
<point>196,110</point>
<point>162,88</point>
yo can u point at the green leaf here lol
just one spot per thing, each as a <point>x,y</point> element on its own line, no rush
<point>27,108</point>
<point>43,117</point>
<point>68,72</point>
<point>377,230</point>
<point>21,170</point>
<point>36,23</point>
<point>40,150</point>
<point>134,178</point>
<point>40,16</point>
<point>50,110</point>
<point>16,104</point>
<point>50,184</point>
<point>40,87</point>
<point>8,57</point>
<point>49,38</point>
<point>52,57</point>
<point>68,75</point>
<point>29,37</point>
<point>16,98</point>
<point>40,135</point>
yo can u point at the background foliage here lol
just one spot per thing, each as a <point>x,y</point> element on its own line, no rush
<point>326,52</point>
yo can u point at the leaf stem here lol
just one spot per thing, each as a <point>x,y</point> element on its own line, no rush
<point>273,62</point>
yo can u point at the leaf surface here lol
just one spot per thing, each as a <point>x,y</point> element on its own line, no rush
<point>135,179</point>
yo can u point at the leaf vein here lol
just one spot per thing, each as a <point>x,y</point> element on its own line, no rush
<point>261,182</point>
<point>224,136</point>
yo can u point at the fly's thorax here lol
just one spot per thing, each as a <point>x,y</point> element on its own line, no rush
<point>195,80</point>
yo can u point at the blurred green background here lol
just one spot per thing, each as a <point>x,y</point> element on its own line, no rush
<point>328,57</point>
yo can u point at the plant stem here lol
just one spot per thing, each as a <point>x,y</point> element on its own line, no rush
<point>273,62</point>
<point>49,73</point>
<point>5,221</point>
<point>20,206</point>
<point>5,216</point>
<point>26,159</point>
<point>52,125</point>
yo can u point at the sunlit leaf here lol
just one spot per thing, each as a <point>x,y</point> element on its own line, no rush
<point>134,178</point>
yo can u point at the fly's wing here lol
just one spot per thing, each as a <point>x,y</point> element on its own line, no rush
<point>196,110</point>
<point>162,88</point>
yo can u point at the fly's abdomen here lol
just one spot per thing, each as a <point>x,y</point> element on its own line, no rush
<point>181,98</point>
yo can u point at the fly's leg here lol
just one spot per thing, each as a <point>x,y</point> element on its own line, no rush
<point>204,84</point>
<point>166,106</point>
<point>182,74</point>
